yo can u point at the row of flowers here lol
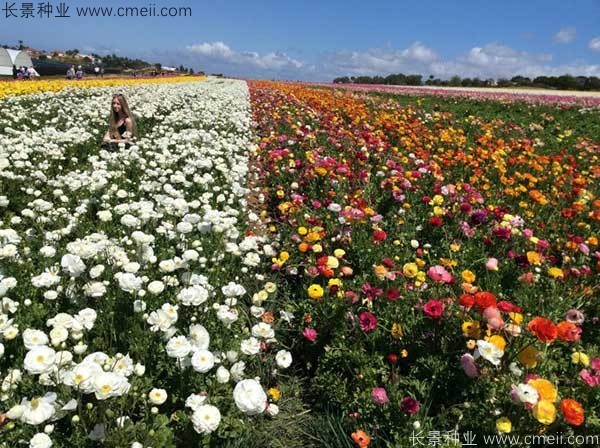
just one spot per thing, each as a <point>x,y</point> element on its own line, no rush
<point>445,267</point>
<point>134,307</point>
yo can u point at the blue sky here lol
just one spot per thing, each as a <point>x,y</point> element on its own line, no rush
<point>318,40</point>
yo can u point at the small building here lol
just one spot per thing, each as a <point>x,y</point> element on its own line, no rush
<point>10,57</point>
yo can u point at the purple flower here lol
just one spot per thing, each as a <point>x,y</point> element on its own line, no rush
<point>575,316</point>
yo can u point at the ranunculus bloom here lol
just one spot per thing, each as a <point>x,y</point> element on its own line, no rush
<point>433,308</point>
<point>545,389</point>
<point>310,334</point>
<point>468,364</point>
<point>484,300</point>
<point>439,274</point>
<point>379,395</point>
<point>492,264</point>
<point>361,438</point>
<point>544,412</point>
<point>544,329</point>
<point>573,411</point>
<point>575,316</point>
<point>368,321</point>
<point>568,331</point>
<point>409,405</point>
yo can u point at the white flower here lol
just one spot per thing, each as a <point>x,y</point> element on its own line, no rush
<point>227,315</point>
<point>489,352</point>
<point>109,384</point>
<point>81,376</point>
<point>233,289</point>
<point>156,287</point>
<point>223,375</point>
<point>58,335</point>
<point>47,251</point>
<point>46,279</point>
<point>200,338</point>
<point>250,346</point>
<point>38,410</point>
<point>86,318</point>
<point>263,330</point>
<point>237,370</point>
<point>73,265</point>
<point>104,215</point>
<point>193,296</point>
<point>206,419</point>
<point>129,282</point>
<point>157,396</point>
<point>34,338</point>
<point>178,347</point>
<point>283,359</point>
<point>527,394</point>
<point>194,401</point>
<point>94,289</point>
<point>272,409</point>
<point>203,361</point>
<point>1,349</point>
<point>249,396</point>
<point>97,271</point>
<point>39,360</point>
<point>40,440</point>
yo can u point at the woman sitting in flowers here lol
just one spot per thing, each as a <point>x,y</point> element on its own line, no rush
<point>121,124</point>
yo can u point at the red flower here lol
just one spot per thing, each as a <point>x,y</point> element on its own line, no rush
<point>379,235</point>
<point>393,358</point>
<point>573,411</point>
<point>409,405</point>
<point>368,321</point>
<point>433,308</point>
<point>392,294</point>
<point>436,221</point>
<point>508,307</point>
<point>484,300</point>
<point>467,301</point>
<point>544,329</point>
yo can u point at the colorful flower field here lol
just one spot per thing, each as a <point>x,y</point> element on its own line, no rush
<point>287,265</point>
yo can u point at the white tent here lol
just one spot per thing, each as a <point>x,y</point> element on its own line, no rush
<point>8,57</point>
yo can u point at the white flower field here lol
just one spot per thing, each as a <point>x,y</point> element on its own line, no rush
<point>132,296</point>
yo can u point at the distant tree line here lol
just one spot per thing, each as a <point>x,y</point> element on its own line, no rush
<point>564,82</point>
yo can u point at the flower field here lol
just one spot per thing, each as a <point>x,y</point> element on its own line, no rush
<point>277,264</point>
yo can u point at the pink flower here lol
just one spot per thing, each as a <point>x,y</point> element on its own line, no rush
<point>368,321</point>
<point>589,379</point>
<point>492,264</point>
<point>379,395</point>
<point>409,405</point>
<point>468,364</point>
<point>434,308</point>
<point>439,274</point>
<point>310,334</point>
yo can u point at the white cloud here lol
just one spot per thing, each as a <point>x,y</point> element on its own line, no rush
<point>221,53</point>
<point>565,35</point>
<point>493,60</point>
<point>594,44</point>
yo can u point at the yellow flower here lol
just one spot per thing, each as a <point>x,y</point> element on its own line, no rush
<point>397,332</point>
<point>504,425</point>
<point>468,276</point>
<point>580,358</point>
<point>410,270</point>
<point>471,344</point>
<point>317,248</point>
<point>529,357</point>
<point>270,287</point>
<point>274,393</point>
<point>332,262</point>
<point>421,276</point>
<point>545,389</point>
<point>302,230</point>
<point>498,341</point>
<point>380,271</point>
<point>339,253</point>
<point>517,318</point>
<point>438,211</point>
<point>534,258</point>
<point>312,237</point>
<point>315,291</point>
<point>471,329</point>
<point>556,272</point>
<point>544,412</point>
<point>454,247</point>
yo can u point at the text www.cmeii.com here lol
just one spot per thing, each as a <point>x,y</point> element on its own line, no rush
<point>13,10</point>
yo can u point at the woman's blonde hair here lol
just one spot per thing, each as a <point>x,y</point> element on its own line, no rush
<point>114,117</point>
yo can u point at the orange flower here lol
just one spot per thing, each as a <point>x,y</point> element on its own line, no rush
<point>544,329</point>
<point>568,331</point>
<point>361,438</point>
<point>573,411</point>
